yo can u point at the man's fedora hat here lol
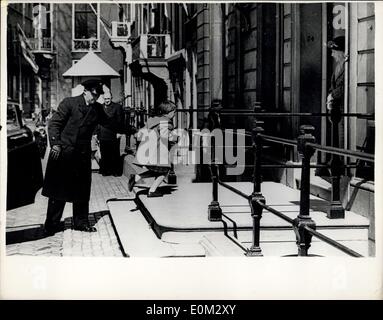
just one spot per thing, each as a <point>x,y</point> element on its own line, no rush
<point>93,85</point>
<point>337,43</point>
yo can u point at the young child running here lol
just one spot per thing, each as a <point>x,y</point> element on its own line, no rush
<point>158,163</point>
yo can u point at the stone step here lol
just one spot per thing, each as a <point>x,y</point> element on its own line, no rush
<point>179,218</point>
<point>139,240</point>
<point>219,244</point>
<point>276,242</point>
<point>137,237</point>
<point>186,208</point>
<point>268,235</point>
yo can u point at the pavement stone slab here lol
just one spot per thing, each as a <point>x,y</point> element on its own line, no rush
<point>70,242</point>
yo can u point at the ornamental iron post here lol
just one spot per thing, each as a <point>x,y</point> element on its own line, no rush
<point>136,124</point>
<point>336,210</point>
<point>142,118</point>
<point>256,197</point>
<point>214,210</point>
<point>302,235</point>
<point>137,119</point>
<point>256,213</point>
<point>190,131</point>
<point>172,177</point>
<point>127,123</point>
<point>257,151</point>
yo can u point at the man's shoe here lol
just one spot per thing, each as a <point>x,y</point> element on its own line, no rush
<point>50,231</point>
<point>154,194</point>
<point>85,228</point>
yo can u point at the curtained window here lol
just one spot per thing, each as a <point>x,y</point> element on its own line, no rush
<point>86,27</point>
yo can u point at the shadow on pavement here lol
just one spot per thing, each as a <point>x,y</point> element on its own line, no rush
<point>316,204</point>
<point>27,234</point>
<point>164,190</point>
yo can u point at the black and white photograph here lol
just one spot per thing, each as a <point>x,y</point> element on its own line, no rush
<point>243,131</point>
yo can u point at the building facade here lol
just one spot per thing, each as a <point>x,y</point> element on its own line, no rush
<point>270,55</point>
<point>237,55</point>
<point>58,35</point>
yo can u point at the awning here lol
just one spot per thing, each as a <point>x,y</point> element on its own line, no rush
<point>91,65</point>
<point>177,60</point>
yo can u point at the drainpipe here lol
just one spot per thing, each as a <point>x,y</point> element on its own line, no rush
<point>128,80</point>
<point>346,88</point>
<point>322,156</point>
<point>215,52</point>
<point>346,73</point>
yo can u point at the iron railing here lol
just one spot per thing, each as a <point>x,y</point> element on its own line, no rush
<point>41,44</point>
<point>85,45</point>
<point>303,226</point>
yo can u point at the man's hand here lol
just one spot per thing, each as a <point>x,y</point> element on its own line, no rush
<point>55,152</point>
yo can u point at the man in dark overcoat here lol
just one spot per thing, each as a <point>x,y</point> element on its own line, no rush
<point>335,98</point>
<point>109,142</point>
<point>69,169</point>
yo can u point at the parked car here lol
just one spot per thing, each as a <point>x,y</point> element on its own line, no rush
<point>24,172</point>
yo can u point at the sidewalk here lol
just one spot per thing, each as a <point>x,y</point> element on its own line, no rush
<point>24,225</point>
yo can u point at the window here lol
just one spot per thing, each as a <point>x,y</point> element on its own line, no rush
<point>42,27</point>
<point>86,33</point>
<point>42,19</point>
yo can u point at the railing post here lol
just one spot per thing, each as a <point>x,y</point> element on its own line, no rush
<point>256,197</point>
<point>256,214</point>
<point>303,237</point>
<point>137,119</point>
<point>214,210</point>
<point>142,118</point>
<point>190,130</point>
<point>257,151</point>
<point>336,210</point>
<point>128,134</point>
<point>132,117</point>
<point>172,177</point>
<point>127,125</point>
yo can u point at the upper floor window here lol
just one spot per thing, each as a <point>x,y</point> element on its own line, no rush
<point>42,25</point>
<point>86,30</point>
<point>42,19</point>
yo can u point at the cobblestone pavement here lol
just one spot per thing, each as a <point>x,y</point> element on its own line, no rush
<point>24,225</point>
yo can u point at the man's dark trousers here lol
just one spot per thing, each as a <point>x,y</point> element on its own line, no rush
<point>56,209</point>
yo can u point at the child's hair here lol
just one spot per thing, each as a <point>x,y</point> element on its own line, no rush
<point>165,107</point>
